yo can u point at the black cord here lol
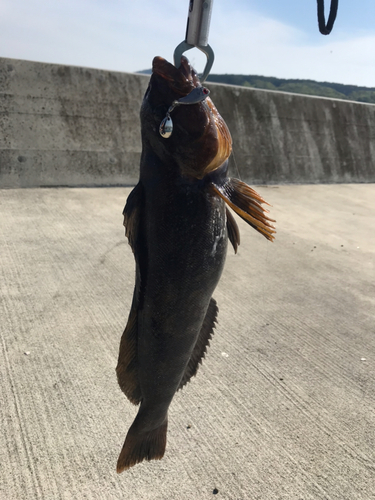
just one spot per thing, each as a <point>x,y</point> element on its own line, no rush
<point>325,29</point>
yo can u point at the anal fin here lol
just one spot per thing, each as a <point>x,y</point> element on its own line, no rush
<point>203,341</point>
<point>247,203</point>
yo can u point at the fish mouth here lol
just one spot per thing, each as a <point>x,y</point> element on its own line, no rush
<point>183,80</point>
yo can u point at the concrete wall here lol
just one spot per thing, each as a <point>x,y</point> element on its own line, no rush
<point>62,125</point>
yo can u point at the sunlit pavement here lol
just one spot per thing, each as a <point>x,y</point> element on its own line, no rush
<point>283,406</point>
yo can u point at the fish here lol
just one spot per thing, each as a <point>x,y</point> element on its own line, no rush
<point>178,222</point>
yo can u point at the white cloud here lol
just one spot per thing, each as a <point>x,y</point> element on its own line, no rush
<point>125,35</point>
<point>257,45</point>
<point>348,61</point>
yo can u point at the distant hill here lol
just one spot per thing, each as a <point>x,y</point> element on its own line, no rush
<point>309,87</point>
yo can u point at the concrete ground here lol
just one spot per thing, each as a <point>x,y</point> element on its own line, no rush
<point>283,406</point>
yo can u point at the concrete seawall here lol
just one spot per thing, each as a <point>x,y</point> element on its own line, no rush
<point>69,126</point>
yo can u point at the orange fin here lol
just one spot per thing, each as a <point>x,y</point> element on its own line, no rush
<point>142,446</point>
<point>203,341</point>
<point>247,203</point>
<point>233,231</point>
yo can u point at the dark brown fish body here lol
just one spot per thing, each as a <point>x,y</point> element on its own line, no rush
<point>177,224</point>
<point>183,243</point>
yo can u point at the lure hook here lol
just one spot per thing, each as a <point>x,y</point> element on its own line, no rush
<point>198,94</point>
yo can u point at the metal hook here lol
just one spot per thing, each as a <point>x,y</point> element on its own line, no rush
<point>207,50</point>
<point>198,25</point>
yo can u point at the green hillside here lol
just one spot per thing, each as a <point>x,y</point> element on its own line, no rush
<point>309,87</point>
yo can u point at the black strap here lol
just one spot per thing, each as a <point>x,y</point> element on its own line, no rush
<point>325,29</point>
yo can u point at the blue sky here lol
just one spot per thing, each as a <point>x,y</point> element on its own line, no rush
<point>265,37</point>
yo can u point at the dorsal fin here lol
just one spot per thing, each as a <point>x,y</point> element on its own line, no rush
<point>126,369</point>
<point>247,203</point>
<point>233,231</point>
<point>203,341</point>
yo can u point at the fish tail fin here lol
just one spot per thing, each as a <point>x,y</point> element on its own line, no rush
<point>139,446</point>
<point>247,203</point>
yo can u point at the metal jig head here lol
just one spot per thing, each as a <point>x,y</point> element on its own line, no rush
<point>198,94</point>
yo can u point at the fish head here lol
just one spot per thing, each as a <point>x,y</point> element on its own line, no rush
<point>200,142</point>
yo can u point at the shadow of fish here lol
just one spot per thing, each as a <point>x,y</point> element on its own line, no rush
<point>178,224</point>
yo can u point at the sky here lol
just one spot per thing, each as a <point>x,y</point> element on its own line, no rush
<point>260,37</point>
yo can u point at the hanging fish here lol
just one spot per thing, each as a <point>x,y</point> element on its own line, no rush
<point>178,223</point>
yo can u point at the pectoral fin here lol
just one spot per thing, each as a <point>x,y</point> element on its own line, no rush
<point>247,203</point>
<point>203,341</point>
